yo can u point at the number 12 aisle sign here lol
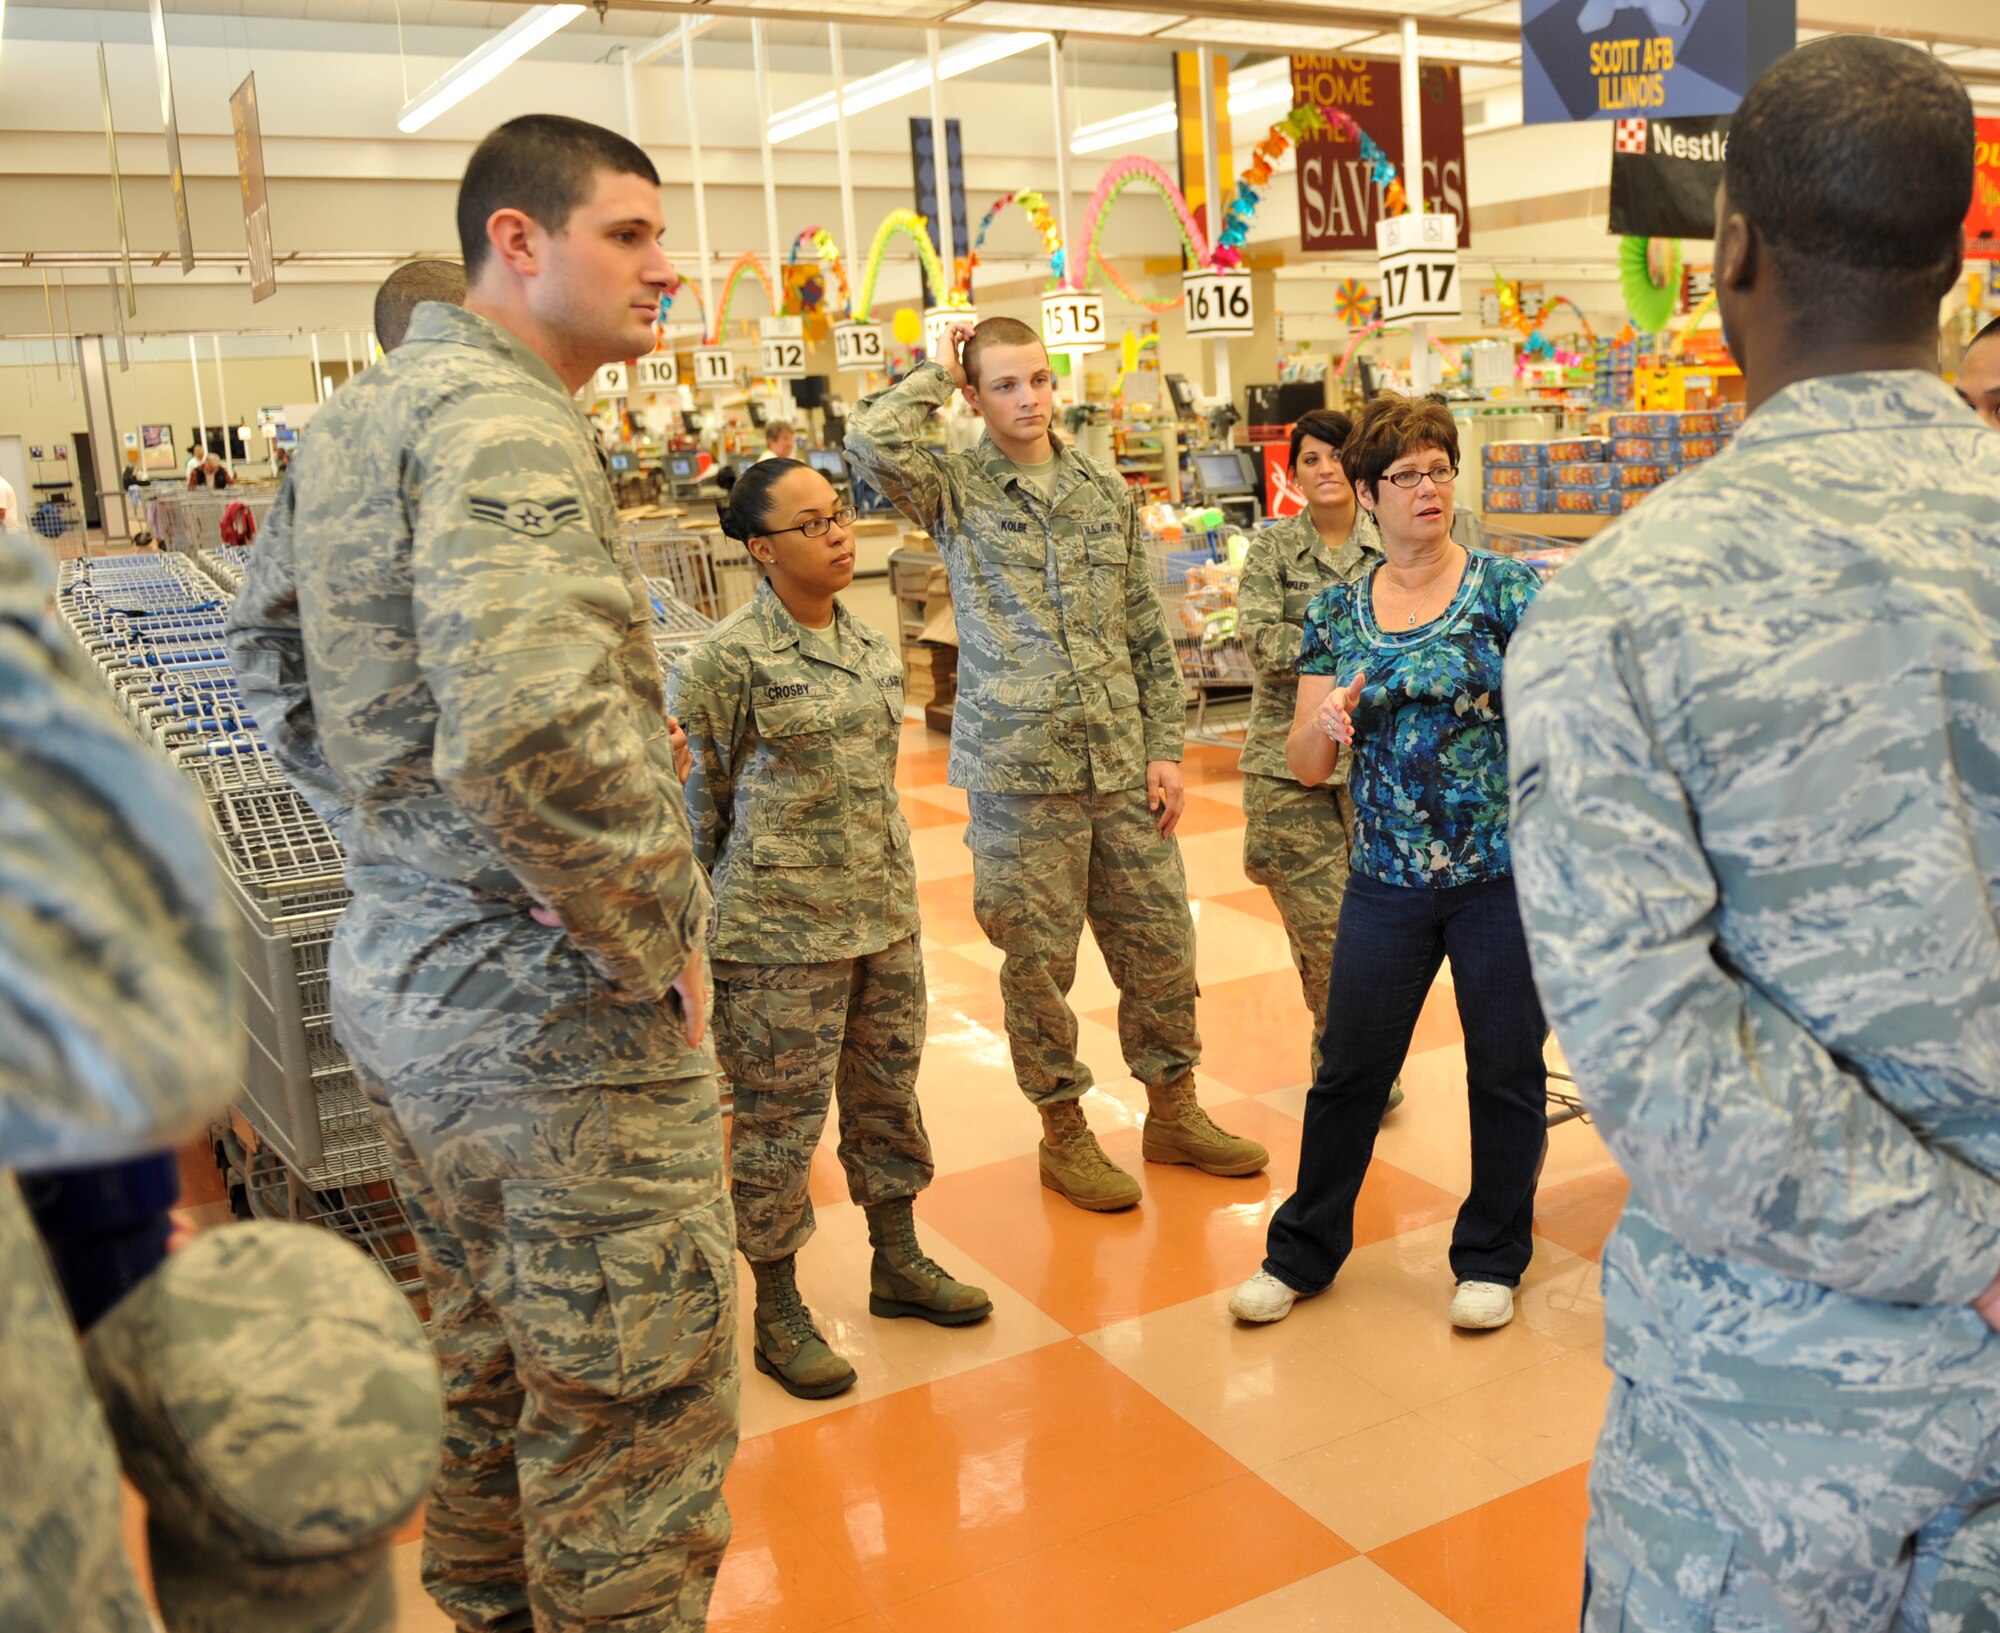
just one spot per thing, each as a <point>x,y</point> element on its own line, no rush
<point>1419,259</point>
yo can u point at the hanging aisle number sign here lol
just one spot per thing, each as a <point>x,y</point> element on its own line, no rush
<point>860,346</point>
<point>659,373</point>
<point>1073,321</point>
<point>1217,303</point>
<point>939,321</point>
<point>1419,257</point>
<point>784,347</point>
<point>613,380</point>
<point>714,367</point>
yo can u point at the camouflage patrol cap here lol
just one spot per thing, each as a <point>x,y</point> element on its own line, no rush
<point>276,1403</point>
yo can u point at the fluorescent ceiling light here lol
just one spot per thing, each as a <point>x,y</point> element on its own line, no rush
<point>1285,37</point>
<point>905,78</point>
<point>488,63</point>
<point>1158,120</point>
<point>670,43</point>
<point>1448,47</point>
<point>1093,19</point>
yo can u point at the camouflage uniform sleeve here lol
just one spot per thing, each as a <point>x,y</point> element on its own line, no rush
<point>542,739</point>
<point>709,695</point>
<point>884,444</point>
<point>269,653</point>
<point>1740,1132</point>
<point>118,994</point>
<point>1272,643</point>
<point>1156,667</point>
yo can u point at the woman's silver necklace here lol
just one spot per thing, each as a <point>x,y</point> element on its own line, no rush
<point>1423,588</point>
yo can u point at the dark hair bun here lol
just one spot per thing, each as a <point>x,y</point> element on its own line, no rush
<point>725,514</point>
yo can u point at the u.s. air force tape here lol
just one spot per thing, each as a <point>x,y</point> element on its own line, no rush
<point>530,516</point>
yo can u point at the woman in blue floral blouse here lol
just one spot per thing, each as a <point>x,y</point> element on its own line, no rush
<point>1404,666</point>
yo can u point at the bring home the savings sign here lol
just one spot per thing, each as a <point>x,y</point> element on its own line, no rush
<point>1339,201</point>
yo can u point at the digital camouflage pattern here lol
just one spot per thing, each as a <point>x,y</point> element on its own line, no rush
<point>276,1404</point>
<point>458,637</point>
<point>792,1037</point>
<point>1286,566</point>
<point>1756,793</point>
<point>579,1250</point>
<point>1295,844</point>
<point>1044,863</point>
<point>1067,678</point>
<point>792,795</point>
<point>118,1032</point>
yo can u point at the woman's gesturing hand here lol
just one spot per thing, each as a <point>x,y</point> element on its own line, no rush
<point>1336,714</point>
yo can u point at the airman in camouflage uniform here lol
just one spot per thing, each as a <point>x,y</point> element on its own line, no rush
<point>459,644</point>
<point>1068,688</point>
<point>1756,827</point>
<point>275,1402</point>
<point>1295,839</point>
<point>819,979</point>
<point>118,1033</point>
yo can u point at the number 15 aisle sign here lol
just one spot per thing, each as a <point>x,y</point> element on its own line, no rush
<point>1419,259</point>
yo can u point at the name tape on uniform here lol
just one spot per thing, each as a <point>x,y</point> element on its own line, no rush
<point>1073,321</point>
<point>1419,267</point>
<point>1217,303</point>
<point>860,346</point>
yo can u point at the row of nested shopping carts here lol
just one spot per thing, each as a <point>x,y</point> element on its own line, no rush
<point>301,1142</point>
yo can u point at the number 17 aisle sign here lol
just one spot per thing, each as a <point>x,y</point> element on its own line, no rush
<point>1419,260</point>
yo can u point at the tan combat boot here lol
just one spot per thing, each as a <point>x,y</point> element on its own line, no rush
<point>904,1280</point>
<point>1178,1130</point>
<point>1075,1167</point>
<point>788,1345</point>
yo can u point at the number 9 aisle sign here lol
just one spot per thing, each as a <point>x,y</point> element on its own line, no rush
<point>1217,303</point>
<point>1419,258</point>
<point>859,346</point>
<point>1073,321</point>
<point>784,347</point>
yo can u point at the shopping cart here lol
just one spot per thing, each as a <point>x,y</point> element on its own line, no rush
<point>1197,592</point>
<point>705,572</point>
<point>59,523</point>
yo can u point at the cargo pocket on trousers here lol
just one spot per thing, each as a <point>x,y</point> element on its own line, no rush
<point>1674,1588</point>
<point>616,1286</point>
<point>766,1036</point>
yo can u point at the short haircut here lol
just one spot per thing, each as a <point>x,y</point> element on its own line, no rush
<point>996,332</point>
<point>747,511</point>
<point>1392,426</point>
<point>1852,157</point>
<point>544,165</point>
<point>779,428</point>
<point>1327,425</point>
<point>408,287</point>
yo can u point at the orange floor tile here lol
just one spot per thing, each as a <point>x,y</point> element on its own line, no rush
<point>1109,1451</point>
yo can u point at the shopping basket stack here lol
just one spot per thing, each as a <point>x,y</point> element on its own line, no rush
<point>303,1143</point>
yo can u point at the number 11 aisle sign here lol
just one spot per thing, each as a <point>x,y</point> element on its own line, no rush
<point>1419,259</point>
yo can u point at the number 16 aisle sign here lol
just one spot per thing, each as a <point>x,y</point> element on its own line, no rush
<point>1419,258</point>
<point>1218,303</point>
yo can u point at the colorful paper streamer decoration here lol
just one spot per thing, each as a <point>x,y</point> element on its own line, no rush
<point>1650,302</point>
<point>1121,174</point>
<point>907,325</point>
<point>1037,210</point>
<point>748,264</point>
<point>918,231</point>
<point>673,292</point>
<point>827,253</point>
<point>1306,119</point>
<point>1128,357</point>
<point>1353,304</point>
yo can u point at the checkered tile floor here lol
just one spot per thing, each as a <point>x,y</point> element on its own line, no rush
<point>1110,1451</point>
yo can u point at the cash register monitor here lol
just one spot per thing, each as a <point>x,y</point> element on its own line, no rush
<point>621,462</point>
<point>684,467</point>
<point>828,463</point>
<point>1222,474</point>
<point>691,421</point>
<point>1182,394</point>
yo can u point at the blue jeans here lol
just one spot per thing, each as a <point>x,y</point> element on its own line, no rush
<point>1392,941</point>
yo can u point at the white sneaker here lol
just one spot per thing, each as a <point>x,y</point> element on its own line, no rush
<point>1262,1298</point>
<point>1482,1304</point>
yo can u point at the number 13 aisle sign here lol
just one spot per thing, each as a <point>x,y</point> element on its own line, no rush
<point>1419,258</point>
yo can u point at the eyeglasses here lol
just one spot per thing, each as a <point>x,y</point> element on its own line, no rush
<point>816,528</point>
<point>1442,477</point>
